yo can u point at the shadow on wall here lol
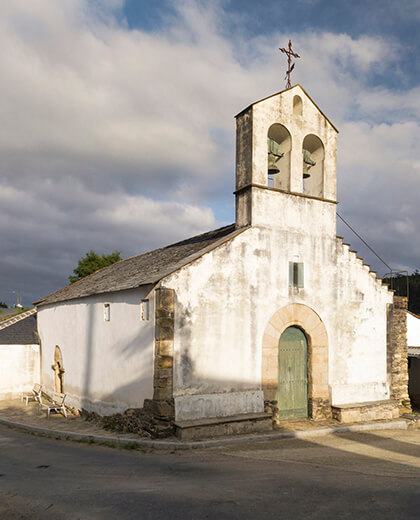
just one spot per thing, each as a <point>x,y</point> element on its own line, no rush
<point>117,400</point>
<point>126,394</point>
<point>89,354</point>
<point>119,368</point>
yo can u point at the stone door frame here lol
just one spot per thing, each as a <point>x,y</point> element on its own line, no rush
<point>302,316</point>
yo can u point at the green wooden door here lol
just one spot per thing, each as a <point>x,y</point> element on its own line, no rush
<point>292,394</point>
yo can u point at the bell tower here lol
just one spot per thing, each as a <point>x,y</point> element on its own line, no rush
<point>285,152</point>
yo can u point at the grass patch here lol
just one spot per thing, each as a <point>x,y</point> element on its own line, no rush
<point>8,316</point>
<point>129,446</point>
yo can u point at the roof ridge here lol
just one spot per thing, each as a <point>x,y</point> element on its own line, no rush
<point>17,318</point>
<point>190,246</point>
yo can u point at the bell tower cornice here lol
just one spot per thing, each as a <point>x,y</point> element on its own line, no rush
<point>303,195</point>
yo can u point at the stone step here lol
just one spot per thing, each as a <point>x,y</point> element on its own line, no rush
<point>220,426</point>
<point>368,411</point>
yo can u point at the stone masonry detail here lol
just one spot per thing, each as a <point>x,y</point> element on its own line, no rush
<point>397,361</point>
<point>164,351</point>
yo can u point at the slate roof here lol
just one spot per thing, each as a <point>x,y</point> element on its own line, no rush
<point>147,268</point>
<point>22,332</point>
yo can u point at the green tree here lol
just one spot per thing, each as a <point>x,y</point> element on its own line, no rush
<point>92,262</point>
<point>399,284</point>
<point>3,305</point>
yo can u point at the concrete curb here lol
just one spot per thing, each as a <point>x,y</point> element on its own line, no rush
<point>180,445</point>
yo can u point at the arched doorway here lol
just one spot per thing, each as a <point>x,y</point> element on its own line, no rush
<point>58,370</point>
<point>306,320</point>
<point>292,392</point>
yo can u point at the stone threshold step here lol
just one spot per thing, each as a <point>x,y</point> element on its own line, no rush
<point>212,421</point>
<point>222,426</point>
<point>368,411</point>
<point>366,404</point>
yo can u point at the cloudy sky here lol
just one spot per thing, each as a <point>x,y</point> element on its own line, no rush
<point>118,131</point>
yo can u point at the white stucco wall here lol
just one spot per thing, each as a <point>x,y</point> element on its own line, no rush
<point>413,330</point>
<point>358,355</point>
<point>19,369</point>
<point>225,299</point>
<point>108,364</point>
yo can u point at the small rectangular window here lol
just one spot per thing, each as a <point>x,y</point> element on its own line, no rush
<point>296,274</point>
<point>145,311</point>
<point>107,311</point>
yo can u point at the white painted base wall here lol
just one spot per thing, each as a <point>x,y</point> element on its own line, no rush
<point>191,407</point>
<point>19,369</point>
<point>358,393</point>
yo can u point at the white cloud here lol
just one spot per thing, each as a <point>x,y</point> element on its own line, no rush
<point>120,139</point>
<point>381,104</point>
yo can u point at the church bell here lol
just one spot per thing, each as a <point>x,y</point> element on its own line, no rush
<point>308,162</point>
<point>272,166</point>
<point>274,154</point>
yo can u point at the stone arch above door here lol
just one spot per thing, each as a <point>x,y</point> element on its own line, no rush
<point>302,316</point>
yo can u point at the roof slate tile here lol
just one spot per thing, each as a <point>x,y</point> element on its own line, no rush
<point>147,268</point>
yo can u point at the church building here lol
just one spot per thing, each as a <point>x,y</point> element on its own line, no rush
<point>273,313</point>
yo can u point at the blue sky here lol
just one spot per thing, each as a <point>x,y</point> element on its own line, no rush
<point>118,121</point>
<point>391,19</point>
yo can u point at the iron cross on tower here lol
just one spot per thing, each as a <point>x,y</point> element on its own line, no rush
<point>290,67</point>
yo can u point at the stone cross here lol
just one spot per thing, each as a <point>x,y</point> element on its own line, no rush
<point>290,67</point>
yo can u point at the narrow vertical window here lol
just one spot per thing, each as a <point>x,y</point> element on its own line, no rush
<point>297,106</point>
<point>145,310</point>
<point>107,311</point>
<point>296,274</point>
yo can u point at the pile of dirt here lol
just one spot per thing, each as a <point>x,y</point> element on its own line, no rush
<point>141,421</point>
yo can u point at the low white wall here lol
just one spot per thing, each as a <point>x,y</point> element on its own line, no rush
<point>19,369</point>
<point>358,393</point>
<point>413,330</point>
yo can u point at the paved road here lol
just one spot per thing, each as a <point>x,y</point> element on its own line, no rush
<point>362,475</point>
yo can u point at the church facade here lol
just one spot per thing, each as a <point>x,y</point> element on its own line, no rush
<point>273,313</point>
